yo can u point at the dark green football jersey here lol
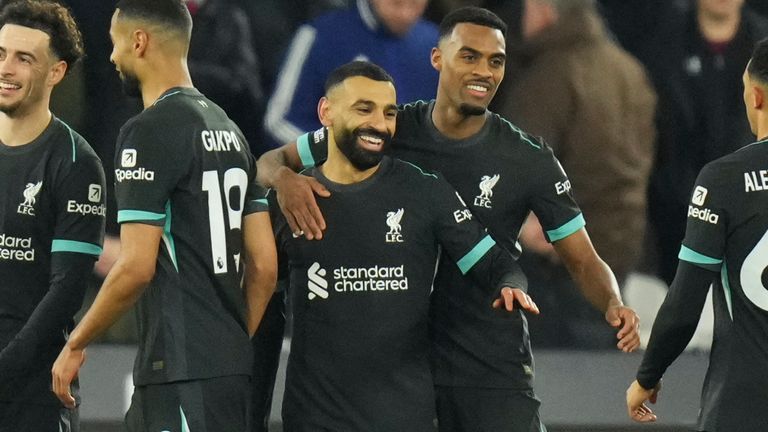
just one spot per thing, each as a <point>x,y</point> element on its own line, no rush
<point>727,231</point>
<point>183,165</point>
<point>360,299</point>
<point>52,196</point>
<point>502,174</point>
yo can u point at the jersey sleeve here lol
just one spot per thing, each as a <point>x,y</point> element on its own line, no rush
<point>313,147</point>
<point>552,198</point>
<point>468,244</point>
<point>705,233</point>
<point>80,207</point>
<point>147,169</point>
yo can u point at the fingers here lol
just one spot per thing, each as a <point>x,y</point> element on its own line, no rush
<point>642,414</point>
<point>319,189</point>
<point>299,205</point>
<point>511,295</point>
<point>629,333</point>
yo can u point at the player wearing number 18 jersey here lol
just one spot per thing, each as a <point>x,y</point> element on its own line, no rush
<point>726,241</point>
<point>193,220</point>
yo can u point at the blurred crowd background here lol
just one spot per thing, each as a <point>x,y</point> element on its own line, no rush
<point>634,96</point>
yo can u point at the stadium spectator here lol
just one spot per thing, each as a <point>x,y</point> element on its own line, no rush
<point>390,33</point>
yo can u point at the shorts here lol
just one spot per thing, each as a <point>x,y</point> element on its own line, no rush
<point>26,417</point>
<point>475,409</point>
<point>207,405</point>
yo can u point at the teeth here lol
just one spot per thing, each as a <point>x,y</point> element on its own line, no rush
<point>9,86</point>
<point>477,88</point>
<point>371,139</point>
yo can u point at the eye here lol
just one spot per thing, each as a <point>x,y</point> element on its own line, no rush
<point>497,62</point>
<point>391,114</point>
<point>364,110</point>
<point>25,60</point>
<point>469,57</point>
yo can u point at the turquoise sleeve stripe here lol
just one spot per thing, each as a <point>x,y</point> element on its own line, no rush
<point>75,246</point>
<point>472,257</point>
<point>694,257</point>
<point>262,201</point>
<point>134,215</point>
<point>302,144</point>
<point>567,229</point>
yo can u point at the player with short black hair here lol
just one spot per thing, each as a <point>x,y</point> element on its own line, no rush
<point>360,296</point>
<point>193,226</point>
<point>52,213</point>
<point>725,246</point>
<point>483,366</point>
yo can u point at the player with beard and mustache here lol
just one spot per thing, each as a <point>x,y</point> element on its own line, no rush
<point>51,213</point>
<point>482,361</point>
<point>360,296</point>
<point>197,249</point>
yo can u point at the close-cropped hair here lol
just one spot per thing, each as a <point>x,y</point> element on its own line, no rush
<point>472,15</point>
<point>758,66</point>
<point>356,68</point>
<point>168,14</point>
<point>53,19</point>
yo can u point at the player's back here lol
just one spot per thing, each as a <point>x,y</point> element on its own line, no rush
<point>183,165</point>
<point>728,220</point>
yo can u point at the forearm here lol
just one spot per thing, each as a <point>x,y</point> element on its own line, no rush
<point>596,282</point>
<point>675,322</point>
<point>259,291</point>
<point>121,289</point>
<point>271,165</point>
<point>69,279</point>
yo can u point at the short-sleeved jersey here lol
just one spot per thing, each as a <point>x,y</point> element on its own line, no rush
<point>728,232</point>
<point>181,164</point>
<point>502,174</point>
<point>52,196</point>
<point>360,298</point>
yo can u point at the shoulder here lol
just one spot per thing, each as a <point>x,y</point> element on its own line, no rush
<point>413,110</point>
<point>74,149</point>
<point>509,134</point>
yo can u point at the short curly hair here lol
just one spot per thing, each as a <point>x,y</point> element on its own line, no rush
<point>758,66</point>
<point>51,18</point>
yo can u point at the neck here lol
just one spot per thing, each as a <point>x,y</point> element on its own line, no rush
<point>175,73</point>
<point>718,28</point>
<point>452,123</point>
<point>338,169</point>
<point>17,131</point>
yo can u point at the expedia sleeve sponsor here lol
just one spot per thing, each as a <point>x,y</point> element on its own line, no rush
<point>706,229</point>
<point>81,203</point>
<point>150,162</point>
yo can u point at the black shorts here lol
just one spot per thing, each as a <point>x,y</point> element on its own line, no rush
<point>208,405</point>
<point>24,417</point>
<point>474,409</point>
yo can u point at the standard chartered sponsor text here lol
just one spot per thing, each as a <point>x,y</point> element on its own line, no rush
<point>16,248</point>
<point>376,278</point>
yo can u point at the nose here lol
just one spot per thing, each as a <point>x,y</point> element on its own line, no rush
<point>6,68</point>
<point>482,69</point>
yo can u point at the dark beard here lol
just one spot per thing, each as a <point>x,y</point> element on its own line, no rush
<point>471,110</point>
<point>131,85</point>
<point>361,158</point>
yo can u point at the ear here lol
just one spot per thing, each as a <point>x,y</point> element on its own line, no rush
<point>758,97</point>
<point>436,57</point>
<point>324,112</point>
<point>140,42</point>
<point>57,72</point>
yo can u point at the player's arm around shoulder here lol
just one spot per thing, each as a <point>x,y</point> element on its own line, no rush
<point>296,193</point>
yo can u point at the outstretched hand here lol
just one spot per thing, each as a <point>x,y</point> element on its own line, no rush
<point>65,370</point>
<point>510,296</point>
<point>296,197</point>
<point>636,398</point>
<point>628,323</point>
